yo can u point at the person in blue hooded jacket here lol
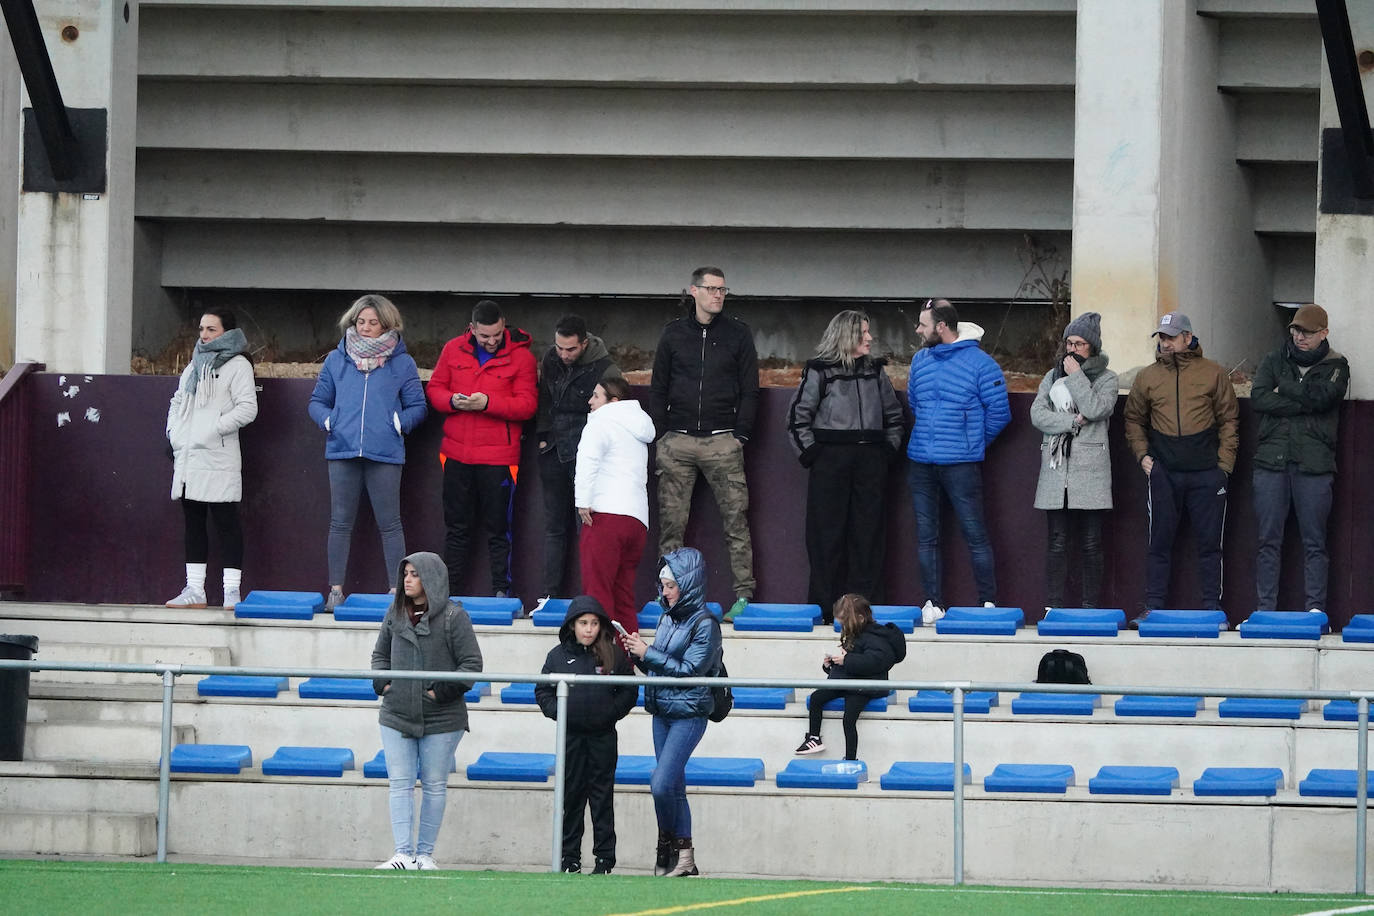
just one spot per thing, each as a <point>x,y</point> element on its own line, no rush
<point>687,643</point>
<point>958,399</point>
<point>367,398</point>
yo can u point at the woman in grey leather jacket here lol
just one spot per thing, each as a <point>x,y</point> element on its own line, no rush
<point>687,643</point>
<point>422,721</point>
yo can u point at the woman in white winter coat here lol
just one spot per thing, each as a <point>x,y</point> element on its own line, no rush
<point>215,399</point>
<point>611,492</point>
<point>1072,408</point>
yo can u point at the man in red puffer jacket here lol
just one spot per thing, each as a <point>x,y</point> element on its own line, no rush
<point>486,381</point>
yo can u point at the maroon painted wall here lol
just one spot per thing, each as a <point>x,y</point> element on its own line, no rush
<point>105,530</point>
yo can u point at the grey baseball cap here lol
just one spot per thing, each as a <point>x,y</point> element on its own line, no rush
<point>1173,324</point>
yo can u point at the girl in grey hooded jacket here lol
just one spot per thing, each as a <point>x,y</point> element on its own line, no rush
<point>422,721</point>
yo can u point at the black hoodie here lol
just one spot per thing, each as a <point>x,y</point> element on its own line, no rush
<point>591,707</point>
<point>877,648</point>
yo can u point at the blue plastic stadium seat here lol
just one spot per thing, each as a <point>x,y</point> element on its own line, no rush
<point>875,704</point>
<point>1179,707</point>
<point>981,621</point>
<point>376,767</point>
<point>501,766</point>
<point>238,685</point>
<point>211,758</point>
<point>336,688</point>
<point>308,761</point>
<point>820,774</point>
<point>1285,625</point>
<point>1238,781</point>
<point>639,700</point>
<point>634,769</point>
<point>361,608</point>
<point>1331,784</point>
<point>652,610</point>
<point>279,605</point>
<point>922,776</point>
<point>975,701</point>
<point>491,612</point>
<point>723,771</point>
<point>1359,629</point>
<point>1081,621</point>
<point>1029,777</point>
<point>1260,708</point>
<point>763,697</point>
<point>1134,780</point>
<point>1187,624</point>
<point>1055,704</point>
<point>906,617</point>
<point>518,693</point>
<point>477,691</point>
<point>779,618</point>
<point>552,614</point>
<point>1341,711</point>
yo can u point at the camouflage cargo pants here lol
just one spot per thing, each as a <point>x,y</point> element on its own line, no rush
<point>720,459</point>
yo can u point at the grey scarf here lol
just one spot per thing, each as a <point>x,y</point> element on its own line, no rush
<point>209,357</point>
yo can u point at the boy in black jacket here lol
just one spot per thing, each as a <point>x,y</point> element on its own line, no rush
<point>587,646</point>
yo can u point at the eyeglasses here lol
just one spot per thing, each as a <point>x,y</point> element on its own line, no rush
<point>1077,344</point>
<point>1305,335</point>
<point>714,290</point>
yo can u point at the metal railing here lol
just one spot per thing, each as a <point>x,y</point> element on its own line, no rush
<point>567,682</point>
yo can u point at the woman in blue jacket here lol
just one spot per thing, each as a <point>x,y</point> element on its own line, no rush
<point>686,644</point>
<point>367,398</point>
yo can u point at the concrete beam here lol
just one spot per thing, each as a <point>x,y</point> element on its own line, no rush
<point>597,191</point>
<point>607,122</point>
<point>629,48</point>
<point>11,168</point>
<point>607,261</point>
<point>968,7</point>
<point>1284,197</point>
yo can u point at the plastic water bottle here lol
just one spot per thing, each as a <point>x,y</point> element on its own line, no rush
<point>846,768</point>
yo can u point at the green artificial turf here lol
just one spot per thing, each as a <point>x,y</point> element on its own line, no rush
<point>42,887</point>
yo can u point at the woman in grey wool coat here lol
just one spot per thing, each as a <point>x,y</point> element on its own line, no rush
<point>421,721</point>
<point>1072,408</point>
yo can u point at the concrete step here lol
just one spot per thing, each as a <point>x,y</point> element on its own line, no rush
<point>77,833</point>
<point>117,653</point>
<point>107,742</point>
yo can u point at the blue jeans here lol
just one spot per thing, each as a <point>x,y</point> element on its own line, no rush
<point>432,756</point>
<point>674,741</point>
<point>1310,497</point>
<point>348,477</point>
<point>963,484</point>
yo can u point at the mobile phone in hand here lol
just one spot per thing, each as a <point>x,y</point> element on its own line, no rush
<point>619,629</point>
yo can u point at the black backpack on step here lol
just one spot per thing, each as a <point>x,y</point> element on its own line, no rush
<point>1062,667</point>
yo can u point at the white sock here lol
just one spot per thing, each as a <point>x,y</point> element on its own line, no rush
<point>233,578</point>
<point>195,576</point>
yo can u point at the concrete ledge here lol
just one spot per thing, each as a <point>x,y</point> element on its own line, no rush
<point>105,833</point>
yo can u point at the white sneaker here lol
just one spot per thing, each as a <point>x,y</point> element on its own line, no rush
<point>539,605</point>
<point>400,862</point>
<point>988,604</point>
<point>930,612</point>
<point>231,598</point>
<point>1314,610</point>
<point>426,863</point>
<point>189,597</point>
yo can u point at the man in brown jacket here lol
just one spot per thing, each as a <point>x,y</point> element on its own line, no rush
<point>1181,424</point>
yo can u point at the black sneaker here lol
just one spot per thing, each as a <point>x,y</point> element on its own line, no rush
<point>812,745</point>
<point>1135,621</point>
<point>572,868</point>
<point>603,866</point>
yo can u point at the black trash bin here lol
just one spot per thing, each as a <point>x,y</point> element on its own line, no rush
<point>14,695</point>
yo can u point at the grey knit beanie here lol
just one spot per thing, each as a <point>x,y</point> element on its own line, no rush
<point>1087,326</point>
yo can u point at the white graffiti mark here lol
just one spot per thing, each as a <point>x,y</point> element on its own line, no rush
<point>72,391</point>
<point>92,414</point>
<point>63,419</point>
<point>90,378</point>
<point>61,380</point>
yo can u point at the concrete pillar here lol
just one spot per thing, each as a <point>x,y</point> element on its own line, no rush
<point>75,252</point>
<point>1345,242</point>
<point>1161,213</point>
<point>10,144</point>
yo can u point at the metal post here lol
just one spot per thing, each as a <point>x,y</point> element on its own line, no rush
<point>559,765</point>
<point>958,785</point>
<point>1361,792</point>
<point>164,769</point>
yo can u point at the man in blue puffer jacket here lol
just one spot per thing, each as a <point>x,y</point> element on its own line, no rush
<point>958,397</point>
